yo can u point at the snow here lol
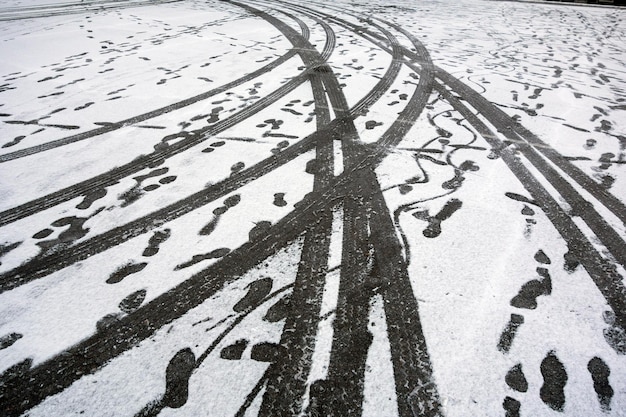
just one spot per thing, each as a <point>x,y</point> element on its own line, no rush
<point>92,89</point>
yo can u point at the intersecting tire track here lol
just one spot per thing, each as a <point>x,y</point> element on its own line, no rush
<point>145,321</point>
<point>358,192</point>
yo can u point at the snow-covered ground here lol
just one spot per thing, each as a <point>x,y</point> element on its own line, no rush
<point>237,208</point>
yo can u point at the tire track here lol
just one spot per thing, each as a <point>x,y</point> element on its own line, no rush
<point>146,161</point>
<point>362,106</point>
<point>156,158</point>
<point>44,265</point>
<point>341,393</point>
<point>27,389</point>
<point>287,378</point>
<point>343,389</point>
<point>427,73</point>
<point>169,306</point>
<point>415,388</point>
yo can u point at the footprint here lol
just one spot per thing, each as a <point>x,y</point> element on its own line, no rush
<point>133,301</point>
<point>434,222</point>
<point>518,197</point>
<point>614,335</point>
<point>371,124</point>
<point>235,351</point>
<point>177,375</point>
<point>279,147</point>
<point>155,241</point>
<point>217,253</point>
<point>257,291</point>
<point>600,372</point>
<point>74,232</point>
<point>237,167</point>
<point>516,380</point>
<point>214,117</point>
<point>527,296</point>
<point>124,271</point>
<point>542,258</point>
<point>509,332</point>
<point>91,197</point>
<point>279,200</point>
<point>554,379</point>
<point>459,176</point>
<point>9,339</point>
<point>43,233</point>
<point>512,407</point>
<point>14,142</point>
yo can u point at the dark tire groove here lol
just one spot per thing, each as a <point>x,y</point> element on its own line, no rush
<point>287,378</point>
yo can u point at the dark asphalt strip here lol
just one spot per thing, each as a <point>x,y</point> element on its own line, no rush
<point>286,379</point>
<point>416,390</point>
<point>529,147</point>
<point>603,273</point>
<point>341,393</point>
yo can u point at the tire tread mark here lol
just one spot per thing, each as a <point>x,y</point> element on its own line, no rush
<point>287,378</point>
<point>416,391</point>
<point>343,387</point>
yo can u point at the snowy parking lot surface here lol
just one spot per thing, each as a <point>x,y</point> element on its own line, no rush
<point>290,208</point>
